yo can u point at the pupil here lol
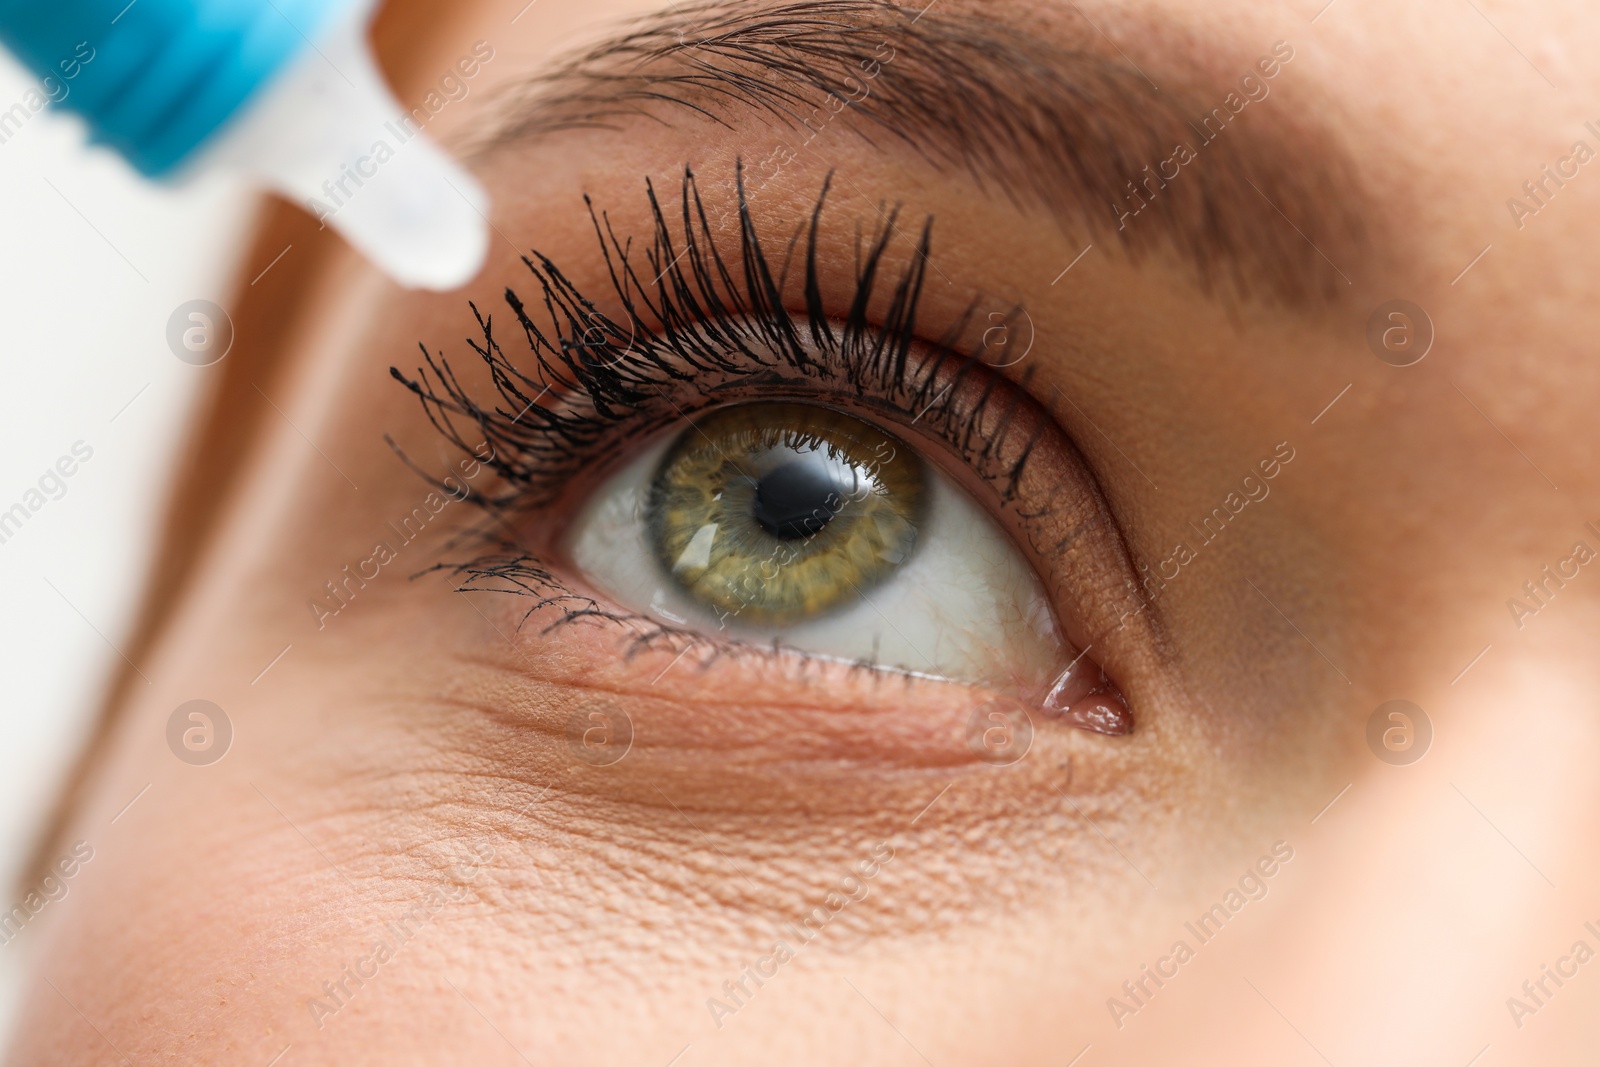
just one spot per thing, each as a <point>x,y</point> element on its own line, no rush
<point>798,499</point>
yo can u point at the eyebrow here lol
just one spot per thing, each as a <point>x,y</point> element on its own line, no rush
<point>1266,205</point>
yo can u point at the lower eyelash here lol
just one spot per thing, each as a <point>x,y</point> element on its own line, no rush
<point>527,575</point>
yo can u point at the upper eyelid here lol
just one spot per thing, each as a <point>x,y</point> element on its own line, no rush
<point>700,320</point>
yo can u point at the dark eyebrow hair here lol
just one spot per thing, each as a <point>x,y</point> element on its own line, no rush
<point>1266,206</point>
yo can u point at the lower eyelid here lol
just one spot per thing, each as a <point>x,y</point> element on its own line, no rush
<point>686,704</point>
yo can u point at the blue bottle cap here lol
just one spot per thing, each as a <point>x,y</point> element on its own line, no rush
<point>156,78</point>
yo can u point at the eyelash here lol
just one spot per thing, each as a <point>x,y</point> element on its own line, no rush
<point>599,383</point>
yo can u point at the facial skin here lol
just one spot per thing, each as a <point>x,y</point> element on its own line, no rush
<point>413,754</point>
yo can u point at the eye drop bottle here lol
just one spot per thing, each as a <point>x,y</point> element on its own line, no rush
<point>285,92</point>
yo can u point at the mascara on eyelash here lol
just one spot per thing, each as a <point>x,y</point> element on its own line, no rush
<point>697,324</point>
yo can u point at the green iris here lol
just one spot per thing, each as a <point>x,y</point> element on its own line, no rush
<point>779,512</point>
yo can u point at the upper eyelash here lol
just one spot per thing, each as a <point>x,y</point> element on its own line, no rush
<point>610,376</point>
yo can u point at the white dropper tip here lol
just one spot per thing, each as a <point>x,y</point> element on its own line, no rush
<point>420,218</point>
<point>328,134</point>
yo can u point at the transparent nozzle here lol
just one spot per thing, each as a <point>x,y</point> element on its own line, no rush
<point>330,135</point>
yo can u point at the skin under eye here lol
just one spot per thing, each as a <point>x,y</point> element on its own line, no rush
<point>800,524</point>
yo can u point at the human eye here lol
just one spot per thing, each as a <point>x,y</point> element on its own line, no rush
<point>686,461</point>
<point>795,523</point>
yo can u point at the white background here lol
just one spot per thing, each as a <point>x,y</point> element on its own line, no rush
<point>92,263</point>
